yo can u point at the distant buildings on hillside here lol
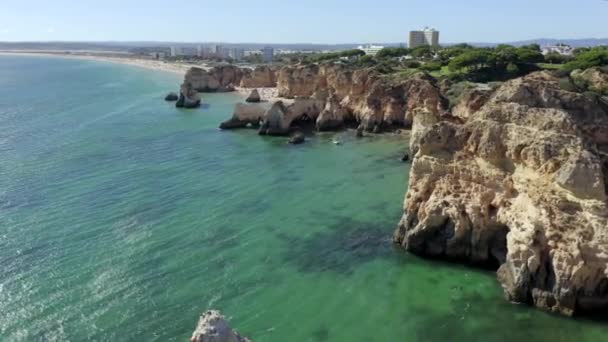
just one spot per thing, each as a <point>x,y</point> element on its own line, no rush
<point>561,49</point>
<point>370,50</point>
<point>425,37</point>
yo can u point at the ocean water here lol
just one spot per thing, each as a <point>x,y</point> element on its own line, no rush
<point>123,218</point>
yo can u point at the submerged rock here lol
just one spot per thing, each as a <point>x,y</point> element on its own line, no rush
<point>254,97</point>
<point>518,182</point>
<point>297,138</point>
<point>171,97</point>
<point>213,327</point>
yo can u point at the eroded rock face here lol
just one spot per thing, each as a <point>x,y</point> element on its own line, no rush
<point>517,179</point>
<point>260,77</point>
<point>213,327</point>
<point>188,97</point>
<point>226,78</point>
<point>279,118</point>
<point>218,79</point>
<point>361,95</point>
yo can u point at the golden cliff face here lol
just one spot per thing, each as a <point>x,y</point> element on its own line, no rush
<point>226,78</point>
<point>362,95</point>
<point>519,181</point>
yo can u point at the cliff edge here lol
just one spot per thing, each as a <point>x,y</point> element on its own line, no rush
<point>517,180</point>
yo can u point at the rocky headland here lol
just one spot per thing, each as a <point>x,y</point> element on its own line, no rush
<point>517,181</point>
<point>513,177</point>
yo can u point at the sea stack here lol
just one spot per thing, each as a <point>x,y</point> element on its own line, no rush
<point>254,97</point>
<point>188,97</point>
<point>213,327</point>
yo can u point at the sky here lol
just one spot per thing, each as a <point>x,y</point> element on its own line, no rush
<point>299,21</point>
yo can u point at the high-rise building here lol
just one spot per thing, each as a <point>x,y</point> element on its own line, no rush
<point>236,53</point>
<point>427,36</point>
<point>268,54</point>
<point>176,51</point>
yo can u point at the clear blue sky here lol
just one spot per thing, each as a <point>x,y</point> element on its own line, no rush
<point>301,21</point>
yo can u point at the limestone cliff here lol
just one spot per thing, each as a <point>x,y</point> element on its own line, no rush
<point>226,78</point>
<point>362,95</point>
<point>517,179</point>
<point>333,96</point>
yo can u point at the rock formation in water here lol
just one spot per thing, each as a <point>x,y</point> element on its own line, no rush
<point>516,178</point>
<point>188,97</point>
<point>361,95</point>
<point>254,97</point>
<point>245,115</point>
<point>213,327</point>
<point>278,120</point>
<point>218,79</point>
<point>297,138</point>
<point>171,97</point>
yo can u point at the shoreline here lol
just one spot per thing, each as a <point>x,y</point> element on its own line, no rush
<point>267,94</point>
<point>150,64</point>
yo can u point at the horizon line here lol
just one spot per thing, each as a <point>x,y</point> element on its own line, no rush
<point>278,43</point>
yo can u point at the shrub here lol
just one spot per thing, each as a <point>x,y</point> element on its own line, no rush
<point>411,64</point>
<point>431,66</point>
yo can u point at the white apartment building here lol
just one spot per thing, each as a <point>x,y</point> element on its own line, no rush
<point>562,49</point>
<point>236,53</point>
<point>176,51</point>
<point>370,50</point>
<point>427,36</point>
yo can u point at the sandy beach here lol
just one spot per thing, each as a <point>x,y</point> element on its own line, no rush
<point>178,68</point>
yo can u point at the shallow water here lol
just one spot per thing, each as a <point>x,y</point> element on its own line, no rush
<point>123,218</point>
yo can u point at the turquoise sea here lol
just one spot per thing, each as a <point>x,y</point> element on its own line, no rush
<point>123,218</point>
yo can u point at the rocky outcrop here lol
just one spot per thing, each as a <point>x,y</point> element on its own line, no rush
<point>226,78</point>
<point>213,327</point>
<point>218,79</point>
<point>516,179</point>
<point>254,97</point>
<point>171,97</point>
<point>260,77</point>
<point>279,118</point>
<point>332,96</point>
<point>188,97</point>
<point>245,115</point>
